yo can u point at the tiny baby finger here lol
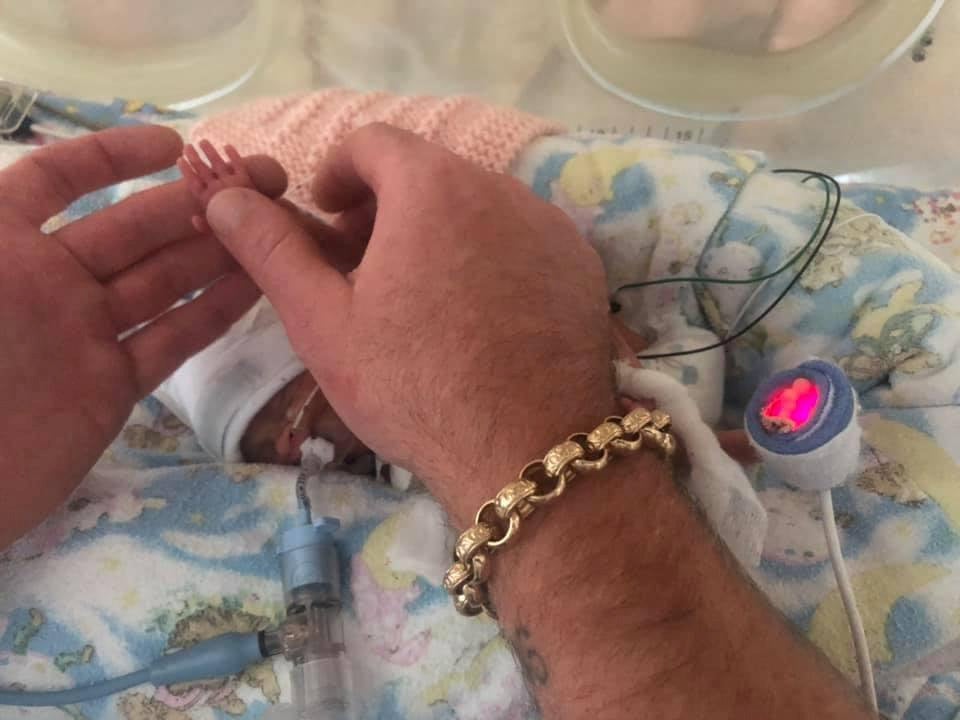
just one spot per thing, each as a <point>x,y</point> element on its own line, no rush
<point>194,183</point>
<point>216,162</point>
<point>233,154</point>
<point>199,166</point>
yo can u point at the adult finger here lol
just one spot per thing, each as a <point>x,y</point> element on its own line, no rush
<point>166,343</point>
<point>342,250</point>
<point>47,180</point>
<point>357,222</point>
<point>358,166</point>
<point>117,237</point>
<point>154,284</point>
<point>283,260</point>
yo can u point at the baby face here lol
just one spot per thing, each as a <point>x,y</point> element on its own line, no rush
<point>275,437</point>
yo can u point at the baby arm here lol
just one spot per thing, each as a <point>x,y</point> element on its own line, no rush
<point>626,345</point>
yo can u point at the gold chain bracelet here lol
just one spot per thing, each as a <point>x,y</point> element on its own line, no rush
<point>540,483</point>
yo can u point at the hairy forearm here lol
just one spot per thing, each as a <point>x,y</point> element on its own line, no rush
<point>621,604</point>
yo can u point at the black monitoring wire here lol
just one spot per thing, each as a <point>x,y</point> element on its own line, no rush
<point>832,189</point>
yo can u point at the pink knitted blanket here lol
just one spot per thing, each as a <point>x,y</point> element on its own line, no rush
<point>300,130</point>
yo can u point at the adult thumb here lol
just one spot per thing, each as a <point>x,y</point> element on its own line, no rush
<point>282,258</point>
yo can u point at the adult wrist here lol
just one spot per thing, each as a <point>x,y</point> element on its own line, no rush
<point>539,485</point>
<point>517,434</point>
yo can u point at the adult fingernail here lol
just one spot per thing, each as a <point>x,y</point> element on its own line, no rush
<point>228,210</point>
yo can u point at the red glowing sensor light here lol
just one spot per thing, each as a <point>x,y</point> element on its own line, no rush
<point>790,408</point>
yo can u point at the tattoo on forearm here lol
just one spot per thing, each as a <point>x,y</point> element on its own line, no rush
<point>532,664</point>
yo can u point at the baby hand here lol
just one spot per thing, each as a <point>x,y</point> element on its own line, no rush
<point>206,179</point>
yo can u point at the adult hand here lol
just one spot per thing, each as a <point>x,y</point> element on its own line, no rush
<point>67,380</point>
<point>473,334</point>
<point>474,331</point>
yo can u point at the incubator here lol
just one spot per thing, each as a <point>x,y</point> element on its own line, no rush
<point>743,59</point>
<point>171,52</point>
